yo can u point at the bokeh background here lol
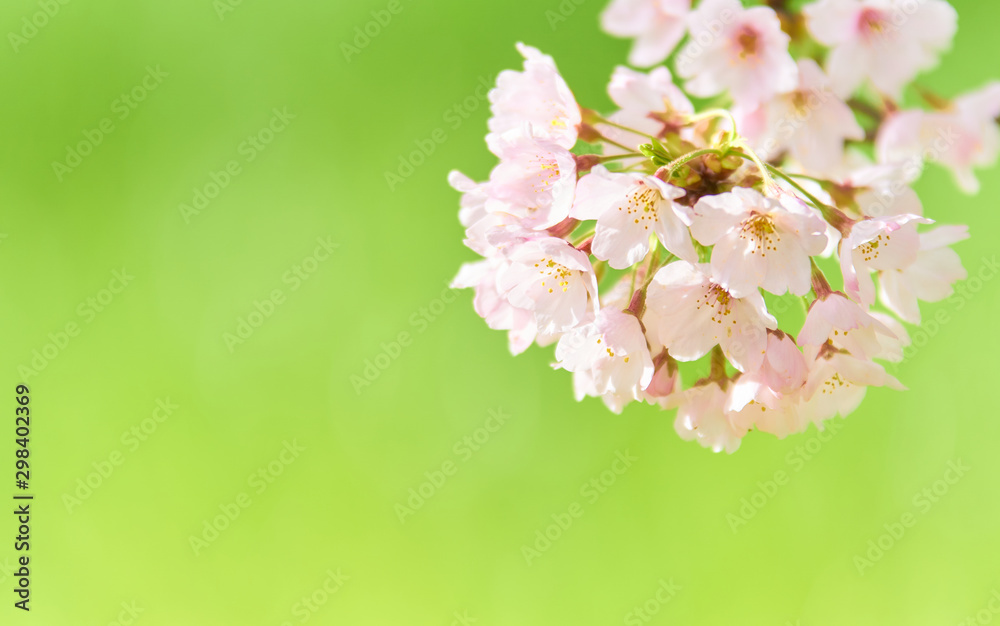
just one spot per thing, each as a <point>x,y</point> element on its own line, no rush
<point>266,419</point>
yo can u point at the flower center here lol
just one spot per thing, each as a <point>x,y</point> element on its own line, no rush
<point>641,203</point>
<point>870,251</point>
<point>548,171</point>
<point>719,300</point>
<point>873,23</point>
<point>759,230</point>
<point>557,275</point>
<point>747,43</point>
<point>834,383</point>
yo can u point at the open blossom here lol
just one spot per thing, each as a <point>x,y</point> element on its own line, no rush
<point>479,222</point>
<point>656,25</point>
<point>628,209</point>
<point>702,417</point>
<point>886,41</point>
<point>811,122</point>
<point>883,244</point>
<point>845,324</point>
<point>648,103</point>
<point>963,138</point>
<point>929,278</point>
<point>837,384</point>
<point>537,96</point>
<point>759,241</point>
<point>552,279</point>
<point>535,180</point>
<point>740,50</point>
<point>694,313</point>
<point>610,353</point>
<point>767,398</point>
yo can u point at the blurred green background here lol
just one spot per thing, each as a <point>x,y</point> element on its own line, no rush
<point>237,318</point>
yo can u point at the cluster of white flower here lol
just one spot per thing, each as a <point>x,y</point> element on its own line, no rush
<point>643,242</point>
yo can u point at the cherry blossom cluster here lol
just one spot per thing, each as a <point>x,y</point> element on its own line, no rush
<point>663,241</point>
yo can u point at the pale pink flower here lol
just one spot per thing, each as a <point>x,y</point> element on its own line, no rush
<point>752,404</point>
<point>889,243</point>
<point>537,96</point>
<point>666,381</point>
<point>962,139</point>
<point>886,41</point>
<point>740,50</point>
<point>492,307</point>
<point>759,241</point>
<point>929,278</point>
<point>693,313</point>
<point>612,352</point>
<point>702,417</point>
<point>478,221</point>
<point>810,122</point>
<point>648,102</point>
<point>535,180</point>
<point>845,324</point>
<point>784,368</point>
<point>766,399</point>
<point>552,279</point>
<point>892,347</point>
<point>837,385</point>
<point>628,209</point>
<point>656,25</point>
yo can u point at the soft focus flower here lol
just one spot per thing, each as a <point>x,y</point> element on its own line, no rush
<point>656,25</point>
<point>702,417</point>
<point>845,324</point>
<point>929,278</point>
<point>810,122</point>
<point>837,384</point>
<point>628,209</point>
<point>886,41</point>
<point>740,50</point>
<point>694,313</point>
<point>650,104</point>
<point>537,96</point>
<point>964,138</point>
<point>759,241</point>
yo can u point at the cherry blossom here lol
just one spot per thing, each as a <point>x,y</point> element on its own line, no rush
<point>535,180</point>
<point>492,307</point>
<point>643,240</point>
<point>759,241</point>
<point>656,25</point>
<point>963,138</point>
<point>696,313</point>
<point>702,417</point>
<point>742,51</point>
<point>845,324</point>
<point>889,243</point>
<point>811,122</point>
<point>537,96</point>
<point>628,209</point>
<point>612,352</point>
<point>837,384</point>
<point>885,41</point>
<point>553,280</point>
<point>929,277</point>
